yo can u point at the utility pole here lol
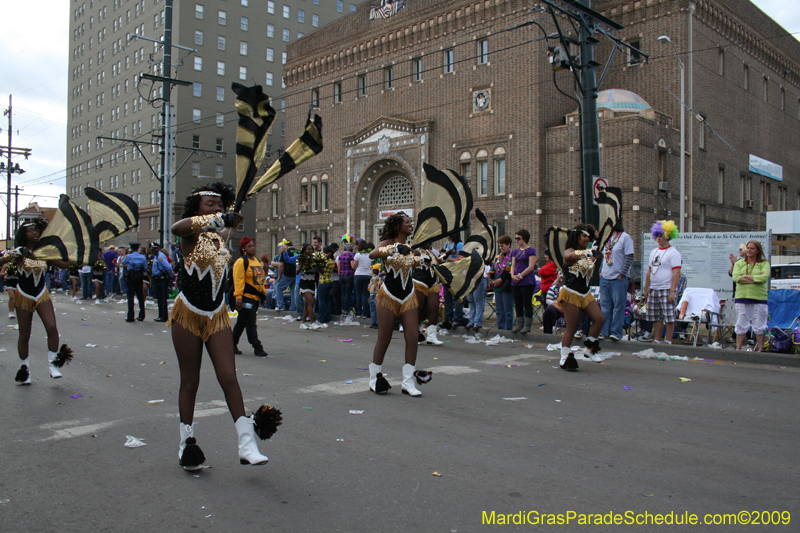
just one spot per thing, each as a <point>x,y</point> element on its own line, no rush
<point>584,71</point>
<point>165,148</point>
<point>9,168</point>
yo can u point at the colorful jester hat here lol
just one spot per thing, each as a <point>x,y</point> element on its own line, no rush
<point>664,227</point>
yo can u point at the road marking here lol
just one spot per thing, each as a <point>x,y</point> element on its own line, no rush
<point>79,431</point>
<point>516,359</point>
<point>362,384</point>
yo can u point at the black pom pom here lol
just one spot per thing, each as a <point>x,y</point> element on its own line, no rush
<point>381,384</point>
<point>63,357</point>
<point>423,376</point>
<point>22,374</point>
<point>267,419</point>
<point>192,454</point>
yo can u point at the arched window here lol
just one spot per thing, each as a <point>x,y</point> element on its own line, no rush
<point>397,191</point>
<point>482,172</point>
<point>499,156</point>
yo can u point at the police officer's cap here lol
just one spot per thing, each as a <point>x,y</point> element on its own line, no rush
<point>134,245</point>
<point>155,245</point>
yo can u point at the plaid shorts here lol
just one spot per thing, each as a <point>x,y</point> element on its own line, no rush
<point>658,306</point>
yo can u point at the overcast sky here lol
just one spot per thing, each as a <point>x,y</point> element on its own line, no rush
<point>34,59</point>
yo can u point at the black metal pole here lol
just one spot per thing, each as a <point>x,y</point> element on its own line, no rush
<point>166,87</point>
<point>590,135</point>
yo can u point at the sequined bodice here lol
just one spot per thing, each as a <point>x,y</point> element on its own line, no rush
<point>578,276</point>
<point>204,271</point>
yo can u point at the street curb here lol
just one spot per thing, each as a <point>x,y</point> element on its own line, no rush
<point>682,350</point>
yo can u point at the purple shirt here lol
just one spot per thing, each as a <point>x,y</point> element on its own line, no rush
<point>109,257</point>
<point>344,264</point>
<point>522,259</point>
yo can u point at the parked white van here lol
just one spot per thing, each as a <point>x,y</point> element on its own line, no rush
<point>785,276</point>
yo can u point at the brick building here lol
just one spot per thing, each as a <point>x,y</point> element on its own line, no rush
<point>462,85</point>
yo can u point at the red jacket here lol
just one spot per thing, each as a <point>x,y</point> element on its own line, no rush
<point>548,273</point>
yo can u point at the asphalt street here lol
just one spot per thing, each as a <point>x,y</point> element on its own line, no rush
<point>499,429</point>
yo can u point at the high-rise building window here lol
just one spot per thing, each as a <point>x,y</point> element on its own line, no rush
<point>195,169</point>
<point>269,79</point>
<point>198,37</point>
<point>222,18</point>
<point>198,63</point>
<point>270,31</point>
<point>339,5</point>
<point>271,7</point>
<point>197,89</point>
<point>220,94</point>
<point>196,114</point>
<point>219,144</point>
<point>270,54</point>
<point>218,171</point>
<point>195,141</point>
<point>337,93</point>
<point>220,120</point>
<point>245,22</point>
<point>315,20</point>
<point>301,15</point>
<point>315,97</point>
<point>286,12</point>
<point>220,43</point>
<point>198,11</point>
<point>221,68</point>
<point>362,85</point>
<point>243,48</point>
<point>285,35</point>
<point>242,73</point>
<point>417,66</point>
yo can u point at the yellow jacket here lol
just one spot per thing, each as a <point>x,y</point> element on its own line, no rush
<point>248,279</point>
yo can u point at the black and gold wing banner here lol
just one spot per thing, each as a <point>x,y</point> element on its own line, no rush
<point>255,119</point>
<point>609,203</point>
<point>445,206</point>
<point>462,276</point>
<point>555,240</point>
<point>112,213</point>
<point>482,238</point>
<point>69,237</point>
<point>306,146</point>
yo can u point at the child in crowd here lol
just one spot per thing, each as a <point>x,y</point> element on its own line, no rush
<point>374,286</point>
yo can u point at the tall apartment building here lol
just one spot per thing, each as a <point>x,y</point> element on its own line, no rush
<point>240,41</point>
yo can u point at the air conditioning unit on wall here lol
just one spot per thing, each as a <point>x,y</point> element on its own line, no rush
<point>303,208</point>
<point>749,204</point>
<point>663,186</point>
<point>770,207</point>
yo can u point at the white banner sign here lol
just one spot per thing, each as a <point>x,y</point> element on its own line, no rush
<point>383,215</point>
<point>766,168</point>
<point>706,257</point>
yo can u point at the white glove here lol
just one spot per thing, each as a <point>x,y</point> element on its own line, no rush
<point>215,224</point>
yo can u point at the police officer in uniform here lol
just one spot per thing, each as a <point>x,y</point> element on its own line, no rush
<point>135,265</point>
<point>162,275</point>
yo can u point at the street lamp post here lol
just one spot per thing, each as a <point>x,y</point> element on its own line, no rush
<point>665,39</point>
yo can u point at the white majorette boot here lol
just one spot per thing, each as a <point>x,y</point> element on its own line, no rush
<point>248,450</point>
<point>408,381</point>
<point>430,336</point>
<point>23,374</point>
<point>377,383</point>
<point>54,372</point>
<point>190,455</point>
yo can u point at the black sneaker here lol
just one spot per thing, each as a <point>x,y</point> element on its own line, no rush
<point>260,353</point>
<point>236,350</point>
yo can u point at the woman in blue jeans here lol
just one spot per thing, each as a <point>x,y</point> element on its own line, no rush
<point>361,264</point>
<point>501,283</point>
